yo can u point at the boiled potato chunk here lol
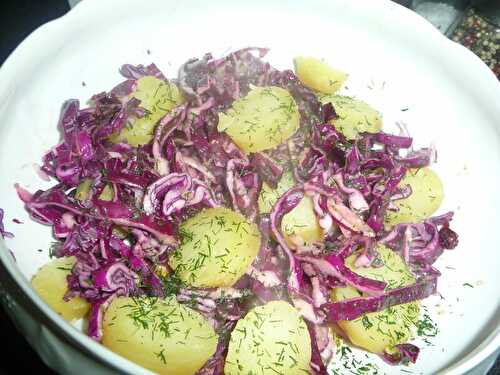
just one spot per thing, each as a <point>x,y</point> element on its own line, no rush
<point>107,194</point>
<point>271,339</point>
<point>51,284</point>
<point>318,75</point>
<point>300,226</point>
<point>269,196</point>
<point>426,197</point>
<point>159,334</point>
<point>381,330</point>
<point>217,247</point>
<point>136,133</point>
<point>354,116</point>
<point>83,189</point>
<point>157,97</point>
<point>263,119</point>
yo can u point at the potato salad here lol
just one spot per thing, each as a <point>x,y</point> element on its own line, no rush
<point>239,219</point>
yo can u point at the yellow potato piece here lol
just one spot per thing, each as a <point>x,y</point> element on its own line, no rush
<point>158,98</point>
<point>83,189</point>
<point>51,284</point>
<point>138,132</point>
<point>271,339</point>
<point>263,119</point>
<point>269,196</point>
<point>427,195</point>
<point>157,95</point>
<point>217,247</point>
<point>318,75</point>
<point>120,232</point>
<point>107,194</point>
<point>354,116</point>
<point>381,330</point>
<point>301,224</point>
<point>159,334</point>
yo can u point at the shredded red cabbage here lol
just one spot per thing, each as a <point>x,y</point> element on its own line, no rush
<point>353,308</point>
<point>3,232</point>
<point>317,364</point>
<point>188,165</point>
<point>405,353</point>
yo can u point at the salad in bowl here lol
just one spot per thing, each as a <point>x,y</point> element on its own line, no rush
<point>239,219</point>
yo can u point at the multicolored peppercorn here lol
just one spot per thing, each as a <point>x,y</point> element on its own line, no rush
<point>481,37</point>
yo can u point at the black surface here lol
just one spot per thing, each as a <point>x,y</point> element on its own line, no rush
<point>18,18</point>
<point>17,355</point>
<point>491,10</point>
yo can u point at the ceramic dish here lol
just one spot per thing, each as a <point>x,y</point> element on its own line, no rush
<point>397,62</point>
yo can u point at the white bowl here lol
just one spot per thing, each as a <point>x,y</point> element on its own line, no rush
<point>396,60</point>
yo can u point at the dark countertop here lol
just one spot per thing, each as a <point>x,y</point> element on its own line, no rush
<point>17,20</point>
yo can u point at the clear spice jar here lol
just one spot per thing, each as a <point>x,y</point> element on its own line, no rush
<point>441,13</point>
<point>479,30</point>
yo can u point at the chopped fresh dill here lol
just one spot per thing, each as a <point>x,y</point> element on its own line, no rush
<point>366,322</point>
<point>426,326</point>
<point>161,356</point>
